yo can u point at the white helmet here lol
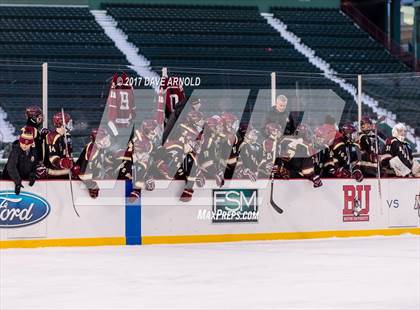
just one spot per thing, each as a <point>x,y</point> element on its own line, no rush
<point>399,131</point>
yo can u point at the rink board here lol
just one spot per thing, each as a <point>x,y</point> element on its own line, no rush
<point>308,212</point>
<point>102,221</point>
<point>161,218</point>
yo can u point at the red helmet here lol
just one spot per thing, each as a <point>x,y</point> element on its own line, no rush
<point>325,134</point>
<point>366,120</point>
<point>121,82</point>
<point>230,121</point>
<point>366,123</point>
<point>34,114</point>
<point>228,118</point>
<point>214,121</point>
<point>58,119</point>
<point>272,129</point>
<point>348,130</point>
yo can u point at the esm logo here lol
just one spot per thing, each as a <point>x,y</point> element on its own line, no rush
<point>356,203</point>
<point>235,205</point>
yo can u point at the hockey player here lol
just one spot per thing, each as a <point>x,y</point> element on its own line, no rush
<point>23,160</point>
<point>270,163</point>
<point>172,98</point>
<point>250,155</point>
<point>323,159</point>
<point>144,145</point>
<point>95,162</point>
<point>229,144</point>
<point>121,105</point>
<point>171,103</point>
<point>193,119</point>
<point>209,156</point>
<point>368,144</point>
<point>58,156</point>
<point>179,158</point>
<point>195,104</point>
<point>34,119</point>
<point>296,155</point>
<point>398,157</point>
<point>346,152</point>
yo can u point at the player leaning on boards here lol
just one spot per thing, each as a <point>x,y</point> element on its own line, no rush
<point>397,159</point>
<point>58,158</point>
<point>23,160</point>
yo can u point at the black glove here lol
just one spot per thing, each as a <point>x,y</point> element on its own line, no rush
<point>357,175</point>
<point>17,188</point>
<point>31,181</point>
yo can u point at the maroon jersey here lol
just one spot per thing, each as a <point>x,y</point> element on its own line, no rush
<point>171,93</point>
<point>121,106</point>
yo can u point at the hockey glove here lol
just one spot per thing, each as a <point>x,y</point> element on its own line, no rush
<point>150,184</point>
<point>342,173</point>
<point>44,132</point>
<point>250,174</point>
<point>282,173</point>
<point>17,188</point>
<point>220,181</point>
<point>75,171</point>
<point>200,180</point>
<point>357,175</point>
<point>41,172</point>
<point>93,189</point>
<point>66,163</point>
<point>186,195</point>
<point>134,195</point>
<point>317,181</point>
<point>32,180</point>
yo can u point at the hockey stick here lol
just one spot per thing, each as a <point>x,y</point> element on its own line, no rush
<point>378,162</point>
<point>272,202</point>
<point>68,155</point>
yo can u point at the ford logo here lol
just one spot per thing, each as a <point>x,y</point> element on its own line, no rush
<point>21,210</point>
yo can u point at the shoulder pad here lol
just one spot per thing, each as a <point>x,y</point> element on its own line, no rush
<point>91,151</point>
<point>52,137</point>
<point>173,145</point>
<point>337,145</point>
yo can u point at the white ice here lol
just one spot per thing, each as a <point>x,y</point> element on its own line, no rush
<point>356,273</point>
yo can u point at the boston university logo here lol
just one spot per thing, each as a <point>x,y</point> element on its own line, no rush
<point>356,203</point>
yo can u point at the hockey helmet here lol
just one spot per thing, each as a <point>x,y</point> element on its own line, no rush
<point>272,130</point>
<point>58,121</point>
<point>34,115</point>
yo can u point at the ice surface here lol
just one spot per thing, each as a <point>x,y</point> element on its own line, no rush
<point>357,273</point>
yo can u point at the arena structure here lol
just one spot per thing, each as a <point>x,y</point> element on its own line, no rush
<point>113,217</point>
<point>324,56</point>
